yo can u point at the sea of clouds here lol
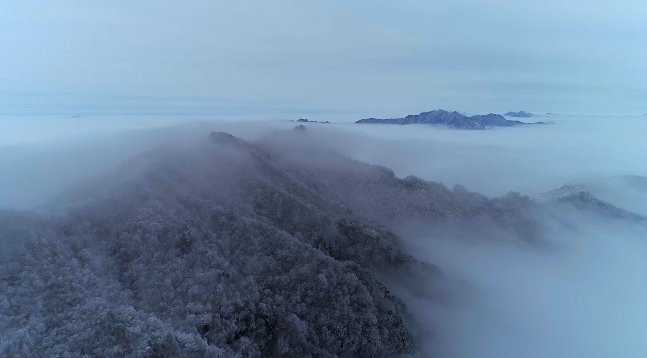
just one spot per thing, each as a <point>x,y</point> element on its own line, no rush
<point>582,294</point>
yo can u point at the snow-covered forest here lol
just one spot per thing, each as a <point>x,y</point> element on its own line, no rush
<point>225,247</point>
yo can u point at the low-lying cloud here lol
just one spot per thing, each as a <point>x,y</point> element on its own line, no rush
<point>577,293</point>
<point>578,296</point>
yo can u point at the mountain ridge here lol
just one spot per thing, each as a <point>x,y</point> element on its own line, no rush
<point>452,119</point>
<point>227,247</point>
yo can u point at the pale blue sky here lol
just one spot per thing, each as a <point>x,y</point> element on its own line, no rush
<point>370,57</point>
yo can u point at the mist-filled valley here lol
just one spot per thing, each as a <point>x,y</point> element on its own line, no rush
<point>256,238</point>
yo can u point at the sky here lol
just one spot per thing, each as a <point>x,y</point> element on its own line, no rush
<point>358,58</point>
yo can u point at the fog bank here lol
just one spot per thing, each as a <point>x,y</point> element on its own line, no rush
<point>581,296</point>
<point>577,292</point>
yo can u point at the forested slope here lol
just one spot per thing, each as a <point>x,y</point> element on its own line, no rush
<point>224,247</point>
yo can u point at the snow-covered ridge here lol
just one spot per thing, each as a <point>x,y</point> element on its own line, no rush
<point>225,247</point>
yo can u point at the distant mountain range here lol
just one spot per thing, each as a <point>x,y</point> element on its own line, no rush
<point>520,114</point>
<point>450,119</point>
<point>305,120</point>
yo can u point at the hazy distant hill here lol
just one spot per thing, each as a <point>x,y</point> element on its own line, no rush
<point>520,114</point>
<point>582,199</point>
<point>449,119</point>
